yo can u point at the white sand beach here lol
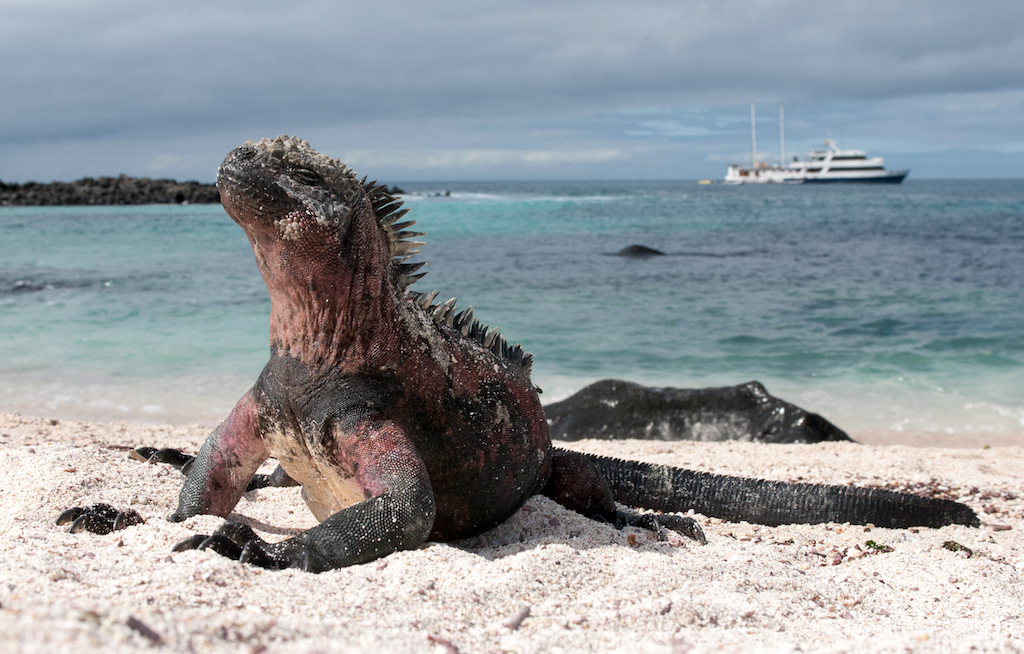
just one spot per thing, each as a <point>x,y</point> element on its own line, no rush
<point>546,581</point>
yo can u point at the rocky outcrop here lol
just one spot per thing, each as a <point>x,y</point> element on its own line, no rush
<point>613,409</point>
<point>639,252</point>
<point>108,191</point>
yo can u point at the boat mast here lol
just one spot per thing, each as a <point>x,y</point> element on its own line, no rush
<point>753,138</point>
<point>782,138</point>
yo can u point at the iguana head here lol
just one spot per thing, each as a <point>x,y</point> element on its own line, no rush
<point>326,242</point>
<point>333,254</point>
<point>289,197</point>
<point>283,188</point>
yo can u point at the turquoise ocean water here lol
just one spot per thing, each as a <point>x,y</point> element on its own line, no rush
<point>894,309</point>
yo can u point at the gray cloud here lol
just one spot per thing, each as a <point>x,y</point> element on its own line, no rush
<point>456,78</point>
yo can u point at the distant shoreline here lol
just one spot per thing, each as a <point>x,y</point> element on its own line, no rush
<point>122,190</point>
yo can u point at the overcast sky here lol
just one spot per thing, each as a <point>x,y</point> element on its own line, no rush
<point>545,89</point>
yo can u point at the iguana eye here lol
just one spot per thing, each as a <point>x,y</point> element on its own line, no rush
<point>306,176</point>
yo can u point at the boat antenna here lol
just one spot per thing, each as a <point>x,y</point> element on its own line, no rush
<point>753,138</point>
<point>782,138</point>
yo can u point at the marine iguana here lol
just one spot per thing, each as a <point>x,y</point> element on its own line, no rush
<point>404,421</point>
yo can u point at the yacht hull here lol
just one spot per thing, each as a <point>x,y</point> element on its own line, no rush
<point>895,177</point>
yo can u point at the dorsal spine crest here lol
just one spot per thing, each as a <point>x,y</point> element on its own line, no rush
<point>388,211</point>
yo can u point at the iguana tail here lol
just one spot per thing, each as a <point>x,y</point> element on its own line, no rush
<point>663,488</point>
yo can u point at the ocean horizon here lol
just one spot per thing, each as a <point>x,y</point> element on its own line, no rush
<point>884,308</point>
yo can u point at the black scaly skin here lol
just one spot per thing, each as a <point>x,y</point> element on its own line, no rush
<point>664,488</point>
<point>404,421</point>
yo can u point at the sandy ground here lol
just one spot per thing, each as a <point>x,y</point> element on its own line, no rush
<point>546,581</point>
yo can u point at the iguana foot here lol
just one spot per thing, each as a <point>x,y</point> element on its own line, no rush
<point>685,526</point>
<point>277,479</point>
<point>98,519</point>
<point>175,458</point>
<point>237,541</point>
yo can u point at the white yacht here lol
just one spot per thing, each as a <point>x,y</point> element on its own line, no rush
<point>828,165</point>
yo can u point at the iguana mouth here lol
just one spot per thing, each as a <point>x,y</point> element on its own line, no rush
<point>247,188</point>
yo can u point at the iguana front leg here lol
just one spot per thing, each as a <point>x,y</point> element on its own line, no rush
<point>398,513</point>
<point>227,461</point>
<point>216,477</point>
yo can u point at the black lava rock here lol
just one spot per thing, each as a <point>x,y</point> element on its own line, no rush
<point>615,409</point>
<point>108,191</point>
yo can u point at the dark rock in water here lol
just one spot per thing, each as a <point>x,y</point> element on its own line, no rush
<point>108,191</point>
<point>615,409</point>
<point>639,252</point>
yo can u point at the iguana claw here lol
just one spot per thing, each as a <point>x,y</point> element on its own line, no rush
<point>175,458</point>
<point>190,543</point>
<point>98,519</point>
<point>236,541</point>
<point>685,526</point>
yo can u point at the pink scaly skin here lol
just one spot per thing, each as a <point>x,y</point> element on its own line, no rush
<point>235,453</point>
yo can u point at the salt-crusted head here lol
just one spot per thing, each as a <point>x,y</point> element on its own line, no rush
<point>286,186</point>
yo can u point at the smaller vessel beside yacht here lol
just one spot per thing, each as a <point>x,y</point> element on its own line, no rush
<point>830,164</point>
